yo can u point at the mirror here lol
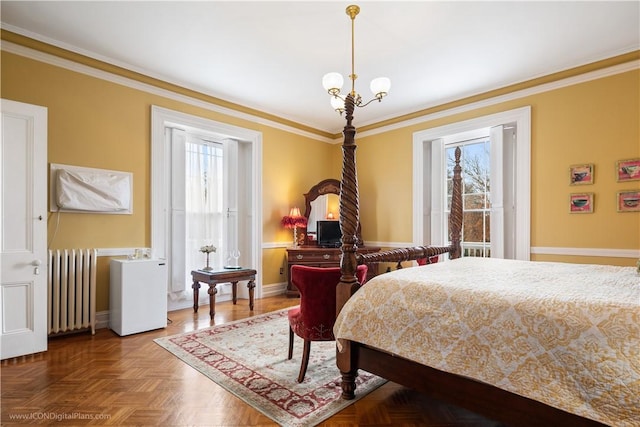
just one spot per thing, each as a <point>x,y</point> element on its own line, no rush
<point>322,199</point>
<point>325,206</point>
<point>324,187</point>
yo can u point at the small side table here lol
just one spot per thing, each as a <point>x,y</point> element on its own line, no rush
<point>227,275</point>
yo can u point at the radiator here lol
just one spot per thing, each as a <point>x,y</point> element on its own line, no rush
<point>72,290</point>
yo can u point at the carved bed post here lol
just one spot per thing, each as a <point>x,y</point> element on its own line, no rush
<point>349,219</point>
<point>349,206</point>
<point>347,357</point>
<point>455,217</point>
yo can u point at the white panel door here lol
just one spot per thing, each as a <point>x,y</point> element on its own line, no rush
<point>23,230</point>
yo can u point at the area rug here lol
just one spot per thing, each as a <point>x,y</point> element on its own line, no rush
<point>249,358</point>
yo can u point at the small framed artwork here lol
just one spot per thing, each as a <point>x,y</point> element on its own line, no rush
<point>581,203</point>
<point>581,174</point>
<point>628,170</point>
<point>629,201</point>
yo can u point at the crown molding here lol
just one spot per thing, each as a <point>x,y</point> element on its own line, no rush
<point>397,122</point>
<point>175,95</point>
<point>523,93</point>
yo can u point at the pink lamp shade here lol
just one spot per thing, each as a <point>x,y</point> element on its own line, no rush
<point>295,212</point>
<point>294,220</point>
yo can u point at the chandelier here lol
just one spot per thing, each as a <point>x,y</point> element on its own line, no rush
<point>333,82</point>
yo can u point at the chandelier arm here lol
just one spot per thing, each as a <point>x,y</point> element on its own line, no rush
<point>369,102</point>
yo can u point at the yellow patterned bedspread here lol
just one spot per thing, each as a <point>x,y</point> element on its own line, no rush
<point>567,335</point>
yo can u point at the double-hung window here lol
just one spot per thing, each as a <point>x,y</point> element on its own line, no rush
<point>496,165</point>
<point>476,194</point>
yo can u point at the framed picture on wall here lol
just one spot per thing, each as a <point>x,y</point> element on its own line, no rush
<point>628,170</point>
<point>629,201</point>
<point>581,203</point>
<point>581,174</point>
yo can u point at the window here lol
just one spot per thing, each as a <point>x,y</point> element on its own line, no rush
<point>203,193</point>
<point>476,194</point>
<point>497,217</point>
<point>204,202</point>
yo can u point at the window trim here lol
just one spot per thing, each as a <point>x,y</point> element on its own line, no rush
<point>162,117</point>
<point>422,146</point>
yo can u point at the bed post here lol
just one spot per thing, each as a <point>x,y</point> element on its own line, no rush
<point>349,220</point>
<point>455,217</point>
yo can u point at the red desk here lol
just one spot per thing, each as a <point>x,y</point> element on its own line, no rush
<point>212,278</point>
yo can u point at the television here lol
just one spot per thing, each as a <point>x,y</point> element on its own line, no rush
<point>329,234</point>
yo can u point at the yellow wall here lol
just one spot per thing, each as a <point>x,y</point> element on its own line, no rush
<point>95,123</point>
<point>593,122</point>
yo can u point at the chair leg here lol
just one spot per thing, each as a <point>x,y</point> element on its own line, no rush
<point>290,343</point>
<point>305,360</point>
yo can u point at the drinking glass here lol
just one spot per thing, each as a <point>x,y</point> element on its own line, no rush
<point>235,254</point>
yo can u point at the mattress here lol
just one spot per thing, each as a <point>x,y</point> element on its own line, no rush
<point>567,335</point>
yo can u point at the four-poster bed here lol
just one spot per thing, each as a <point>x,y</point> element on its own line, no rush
<point>459,388</point>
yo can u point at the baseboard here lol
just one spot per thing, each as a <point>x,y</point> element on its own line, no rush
<point>595,252</point>
<point>273,289</point>
<point>542,250</point>
<point>102,319</point>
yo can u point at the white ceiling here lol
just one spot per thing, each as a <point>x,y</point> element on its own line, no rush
<point>271,56</point>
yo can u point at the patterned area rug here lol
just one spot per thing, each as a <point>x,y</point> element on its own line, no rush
<point>249,359</point>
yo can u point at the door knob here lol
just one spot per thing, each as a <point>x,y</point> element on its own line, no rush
<point>36,264</point>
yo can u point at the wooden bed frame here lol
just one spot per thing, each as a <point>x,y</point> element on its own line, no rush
<point>476,396</point>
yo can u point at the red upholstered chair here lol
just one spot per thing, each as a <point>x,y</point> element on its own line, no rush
<point>430,260</point>
<point>313,320</point>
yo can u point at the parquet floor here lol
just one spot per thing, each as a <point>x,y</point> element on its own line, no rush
<point>131,381</point>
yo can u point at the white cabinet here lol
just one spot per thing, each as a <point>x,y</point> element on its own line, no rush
<point>137,295</point>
